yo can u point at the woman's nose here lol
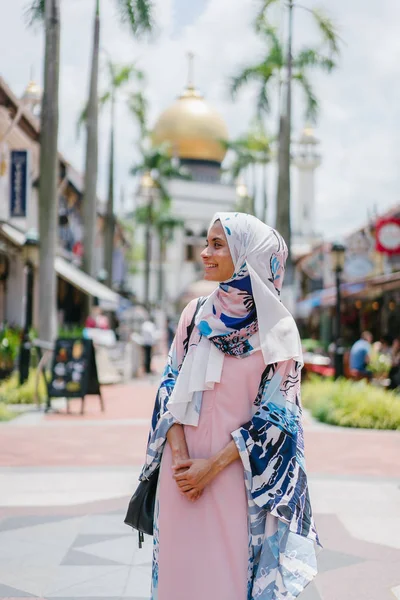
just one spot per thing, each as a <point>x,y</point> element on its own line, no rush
<point>205,252</point>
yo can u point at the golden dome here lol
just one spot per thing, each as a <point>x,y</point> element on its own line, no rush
<point>193,128</point>
<point>33,92</point>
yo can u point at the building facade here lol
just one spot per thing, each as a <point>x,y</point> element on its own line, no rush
<point>19,212</point>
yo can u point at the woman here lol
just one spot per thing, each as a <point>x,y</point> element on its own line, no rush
<point>233,518</point>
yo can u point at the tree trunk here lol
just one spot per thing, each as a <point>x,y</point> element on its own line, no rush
<point>264,214</point>
<point>109,227</point>
<point>91,166</point>
<point>283,194</point>
<point>253,193</point>
<point>148,226</point>
<point>48,200</point>
<point>160,274</point>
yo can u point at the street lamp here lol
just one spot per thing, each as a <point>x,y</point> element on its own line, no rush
<point>245,202</point>
<point>29,254</point>
<point>338,256</point>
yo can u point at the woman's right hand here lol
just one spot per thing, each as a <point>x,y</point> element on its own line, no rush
<point>177,441</point>
<point>192,494</point>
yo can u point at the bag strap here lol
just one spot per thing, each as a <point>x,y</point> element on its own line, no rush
<point>190,327</point>
<point>200,302</point>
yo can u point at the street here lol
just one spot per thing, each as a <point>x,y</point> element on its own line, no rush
<point>65,481</point>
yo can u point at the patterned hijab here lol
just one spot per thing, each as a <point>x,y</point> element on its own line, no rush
<point>241,316</point>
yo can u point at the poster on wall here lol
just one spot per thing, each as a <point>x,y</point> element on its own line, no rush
<point>20,184</point>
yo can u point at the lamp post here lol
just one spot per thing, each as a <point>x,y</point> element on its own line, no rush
<point>245,202</point>
<point>29,255</point>
<point>338,256</point>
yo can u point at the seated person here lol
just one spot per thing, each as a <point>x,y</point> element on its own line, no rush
<point>360,355</point>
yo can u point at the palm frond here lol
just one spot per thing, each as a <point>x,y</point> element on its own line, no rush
<point>263,104</point>
<point>104,99</point>
<point>311,57</point>
<point>262,11</point>
<point>124,73</point>
<point>260,72</point>
<point>81,121</point>
<point>312,106</point>
<point>138,106</point>
<point>138,14</point>
<point>328,30</point>
<point>35,12</point>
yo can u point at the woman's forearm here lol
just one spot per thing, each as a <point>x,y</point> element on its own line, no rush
<point>177,441</point>
<point>224,457</point>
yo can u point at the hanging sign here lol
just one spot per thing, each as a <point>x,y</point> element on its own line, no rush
<point>19,182</point>
<point>388,236</point>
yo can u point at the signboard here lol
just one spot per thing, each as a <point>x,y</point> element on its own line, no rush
<point>388,236</point>
<point>360,255</point>
<point>19,182</point>
<point>74,370</point>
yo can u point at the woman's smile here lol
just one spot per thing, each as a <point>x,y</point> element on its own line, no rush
<point>217,247</point>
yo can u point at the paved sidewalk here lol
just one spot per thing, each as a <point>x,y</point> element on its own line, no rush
<point>65,481</point>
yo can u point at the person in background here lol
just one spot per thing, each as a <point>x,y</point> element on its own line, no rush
<point>360,354</point>
<point>394,373</point>
<point>386,345</point>
<point>96,319</point>
<point>149,338</point>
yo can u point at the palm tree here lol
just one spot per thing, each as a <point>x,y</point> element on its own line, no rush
<point>252,152</point>
<point>119,77</point>
<point>138,15</point>
<point>49,10</point>
<point>158,168</point>
<point>269,72</point>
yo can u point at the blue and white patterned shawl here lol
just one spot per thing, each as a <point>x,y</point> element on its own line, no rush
<point>282,535</point>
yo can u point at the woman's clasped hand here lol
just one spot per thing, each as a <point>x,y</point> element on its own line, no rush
<point>193,475</point>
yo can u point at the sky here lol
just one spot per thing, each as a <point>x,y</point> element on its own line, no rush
<point>358,123</point>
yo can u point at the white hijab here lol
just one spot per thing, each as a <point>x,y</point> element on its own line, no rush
<point>264,252</point>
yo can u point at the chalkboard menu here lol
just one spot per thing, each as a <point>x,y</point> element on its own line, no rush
<point>74,370</point>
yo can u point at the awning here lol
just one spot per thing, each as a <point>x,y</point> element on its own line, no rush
<point>108,300</point>
<point>12,234</point>
<point>326,298</point>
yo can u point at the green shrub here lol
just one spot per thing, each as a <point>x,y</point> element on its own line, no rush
<point>12,393</point>
<point>5,414</point>
<point>311,345</point>
<point>70,332</point>
<point>351,404</point>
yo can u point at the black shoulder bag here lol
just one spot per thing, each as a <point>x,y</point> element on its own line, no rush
<point>140,514</point>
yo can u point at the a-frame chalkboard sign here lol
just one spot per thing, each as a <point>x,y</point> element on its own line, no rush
<point>74,371</point>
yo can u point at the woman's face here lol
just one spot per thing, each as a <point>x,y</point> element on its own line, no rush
<point>217,259</point>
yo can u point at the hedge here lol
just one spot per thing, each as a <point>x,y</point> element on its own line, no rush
<point>351,403</point>
<point>12,393</point>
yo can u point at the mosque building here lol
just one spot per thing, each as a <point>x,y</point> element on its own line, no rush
<point>194,131</point>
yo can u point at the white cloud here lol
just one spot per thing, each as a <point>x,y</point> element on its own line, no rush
<point>359,111</point>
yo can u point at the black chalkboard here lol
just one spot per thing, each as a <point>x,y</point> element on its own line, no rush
<point>74,370</point>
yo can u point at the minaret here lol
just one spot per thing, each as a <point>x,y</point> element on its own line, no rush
<point>306,159</point>
<point>32,97</point>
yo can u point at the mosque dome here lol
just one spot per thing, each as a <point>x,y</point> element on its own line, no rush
<point>193,128</point>
<point>33,92</point>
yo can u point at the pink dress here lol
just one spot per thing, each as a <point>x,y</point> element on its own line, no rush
<point>204,545</point>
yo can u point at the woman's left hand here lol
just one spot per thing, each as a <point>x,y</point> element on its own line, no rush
<point>199,473</point>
